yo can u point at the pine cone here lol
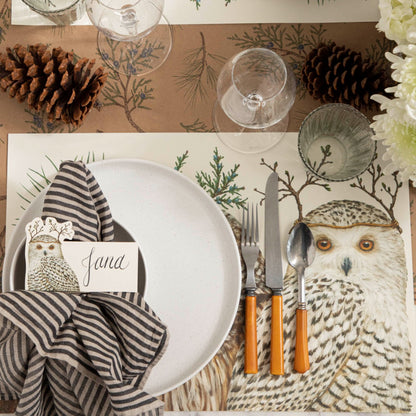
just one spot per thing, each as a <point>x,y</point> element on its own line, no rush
<point>333,73</point>
<point>51,79</point>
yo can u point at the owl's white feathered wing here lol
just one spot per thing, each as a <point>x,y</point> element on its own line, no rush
<point>53,274</point>
<point>377,376</point>
<point>331,343</point>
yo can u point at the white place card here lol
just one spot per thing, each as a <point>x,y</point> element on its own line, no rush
<point>82,266</point>
<point>53,264</point>
<point>103,266</point>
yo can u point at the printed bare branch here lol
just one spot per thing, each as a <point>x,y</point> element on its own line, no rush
<point>288,186</point>
<point>34,228</point>
<point>63,230</point>
<point>326,152</point>
<point>376,175</point>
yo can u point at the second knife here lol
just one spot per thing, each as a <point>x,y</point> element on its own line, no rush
<point>274,272</point>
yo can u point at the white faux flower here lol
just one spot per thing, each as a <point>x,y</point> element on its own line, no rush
<point>404,73</point>
<point>398,20</point>
<point>396,129</point>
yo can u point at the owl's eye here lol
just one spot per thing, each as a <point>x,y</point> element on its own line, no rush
<point>366,245</point>
<point>38,247</point>
<point>51,247</point>
<point>324,244</point>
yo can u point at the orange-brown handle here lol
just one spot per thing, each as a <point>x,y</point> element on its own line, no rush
<point>276,347</point>
<point>250,357</point>
<point>301,348</point>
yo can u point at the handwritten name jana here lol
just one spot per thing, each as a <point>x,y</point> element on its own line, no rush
<point>92,263</point>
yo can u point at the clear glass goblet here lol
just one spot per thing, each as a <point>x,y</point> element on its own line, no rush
<point>60,12</point>
<point>134,38</point>
<point>255,91</point>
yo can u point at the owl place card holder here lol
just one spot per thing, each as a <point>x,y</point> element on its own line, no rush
<point>55,264</point>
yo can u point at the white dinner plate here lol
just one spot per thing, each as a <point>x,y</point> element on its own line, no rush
<point>193,273</point>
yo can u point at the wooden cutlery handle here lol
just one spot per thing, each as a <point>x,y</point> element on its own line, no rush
<point>301,347</point>
<point>250,357</point>
<point>276,346</point>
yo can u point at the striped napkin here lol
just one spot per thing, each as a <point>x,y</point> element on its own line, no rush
<point>75,196</point>
<point>65,354</point>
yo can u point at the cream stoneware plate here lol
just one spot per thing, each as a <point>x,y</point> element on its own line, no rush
<point>193,273</point>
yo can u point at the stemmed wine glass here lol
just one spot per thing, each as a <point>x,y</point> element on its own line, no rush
<point>134,38</point>
<point>61,12</point>
<point>255,91</point>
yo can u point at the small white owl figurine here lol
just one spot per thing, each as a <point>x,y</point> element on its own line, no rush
<point>47,268</point>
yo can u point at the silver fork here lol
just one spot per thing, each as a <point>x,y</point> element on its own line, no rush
<point>250,252</point>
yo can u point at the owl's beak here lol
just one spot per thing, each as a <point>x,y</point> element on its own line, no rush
<point>346,265</point>
<point>45,253</point>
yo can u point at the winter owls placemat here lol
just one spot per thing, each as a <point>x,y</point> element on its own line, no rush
<point>359,289</point>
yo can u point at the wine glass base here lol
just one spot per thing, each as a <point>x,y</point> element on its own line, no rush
<point>247,140</point>
<point>138,57</point>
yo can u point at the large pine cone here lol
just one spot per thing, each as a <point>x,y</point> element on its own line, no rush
<point>333,73</point>
<point>51,79</point>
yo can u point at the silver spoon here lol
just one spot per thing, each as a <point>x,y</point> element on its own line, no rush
<point>300,254</point>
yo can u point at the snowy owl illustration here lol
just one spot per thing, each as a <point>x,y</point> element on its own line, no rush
<point>47,268</point>
<point>359,344</point>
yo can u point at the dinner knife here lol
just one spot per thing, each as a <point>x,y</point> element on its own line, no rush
<point>274,272</point>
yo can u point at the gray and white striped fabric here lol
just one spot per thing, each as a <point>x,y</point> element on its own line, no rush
<point>69,355</point>
<point>75,196</point>
<point>65,354</point>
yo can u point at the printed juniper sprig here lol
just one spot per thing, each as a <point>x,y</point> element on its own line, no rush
<point>40,123</point>
<point>220,185</point>
<point>377,184</point>
<point>317,36</point>
<point>198,126</point>
<point>180,161</point>
<point>377,51</point>
<point>201,73</point>
<point>299,41</point>
<point>290,42</point>
<point>286,41</point>
<point>263,36</point>
<point>288,186</point>
<point>138,58</point>
<point>127,91</point>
